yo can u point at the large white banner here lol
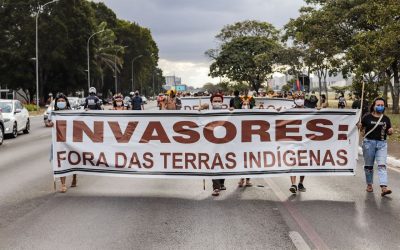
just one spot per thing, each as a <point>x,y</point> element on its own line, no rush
<point>212,144</point>
<point>193,103</point>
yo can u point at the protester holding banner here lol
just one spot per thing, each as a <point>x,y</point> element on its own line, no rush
<point>323,103</point>
<point>241,103</point>
<point>171,101</point>
<point>249,99</point>
<point>299,102</point>
<point>236,101</point>
<point>377,127</point>
<point>218,184</point>
<point>61,103</point>
<point>118,103</point>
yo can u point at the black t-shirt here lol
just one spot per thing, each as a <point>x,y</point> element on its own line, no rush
<point>380,132</point>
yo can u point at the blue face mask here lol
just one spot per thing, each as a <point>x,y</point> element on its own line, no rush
<point>379,109</point>
<point>61,105</point>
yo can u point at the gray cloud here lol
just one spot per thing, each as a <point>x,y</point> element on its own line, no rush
<point>185,29</point>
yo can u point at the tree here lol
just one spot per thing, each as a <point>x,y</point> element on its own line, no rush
<point>364,35</point>
<point>247,53</point>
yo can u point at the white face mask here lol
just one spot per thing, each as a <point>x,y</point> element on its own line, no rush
<point>299,102</point>
<point>217,105</point>
<point>61,105</point>
<point>119,104</point>
<point>246,106</point>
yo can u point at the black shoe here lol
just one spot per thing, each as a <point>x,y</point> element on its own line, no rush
<point>293,189</point>
<point>301,187</point>
<point>222,188</point>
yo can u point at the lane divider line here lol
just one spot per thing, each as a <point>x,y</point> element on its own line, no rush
<point>305,226</point>
<point>298,241</point>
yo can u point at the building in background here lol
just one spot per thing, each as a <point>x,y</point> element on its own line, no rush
<point>174,83</point>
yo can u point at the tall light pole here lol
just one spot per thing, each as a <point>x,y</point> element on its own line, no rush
<point>37,51</point>
<point>133,81</point>
<point>88,56</point>
<point>115,66</point>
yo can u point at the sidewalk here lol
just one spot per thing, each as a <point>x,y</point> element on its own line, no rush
<point>394,154</point>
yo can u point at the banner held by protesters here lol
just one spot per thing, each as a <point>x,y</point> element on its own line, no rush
<point>182,144</point>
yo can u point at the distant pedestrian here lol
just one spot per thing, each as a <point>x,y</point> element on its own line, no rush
<point>311,101</point>
<point>357,105</point>
<point>342,101</point>
<point>92,102</point>
<point>137,102</point>
<point>61,103</point>
<point>377,127</point>
<point>171,101</point>
<point>118,102</point>
<point>323,103</point>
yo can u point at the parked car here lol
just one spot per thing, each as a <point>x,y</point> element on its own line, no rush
<point>16,117</point>
<point>1,127</point>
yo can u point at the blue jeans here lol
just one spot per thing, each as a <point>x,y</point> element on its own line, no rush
<point>374,150</point>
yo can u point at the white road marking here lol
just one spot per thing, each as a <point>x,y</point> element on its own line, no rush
<point>298,241</point>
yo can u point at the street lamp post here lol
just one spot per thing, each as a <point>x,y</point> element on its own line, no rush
<point>88,56</point>
<point>133,81</point>
<point>37,51</point>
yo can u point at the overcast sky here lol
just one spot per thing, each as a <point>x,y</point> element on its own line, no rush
<point>185,29</point>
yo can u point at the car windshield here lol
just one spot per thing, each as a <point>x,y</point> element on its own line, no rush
<point>6,107</point>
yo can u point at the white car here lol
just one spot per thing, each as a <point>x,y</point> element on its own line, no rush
<point>1,128</point>
<point>16,117</point>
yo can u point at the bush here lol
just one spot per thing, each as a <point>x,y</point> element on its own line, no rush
<point>30,107</point>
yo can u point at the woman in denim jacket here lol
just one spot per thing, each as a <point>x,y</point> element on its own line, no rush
<point>377,126</point>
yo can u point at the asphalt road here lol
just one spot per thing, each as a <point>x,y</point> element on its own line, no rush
<point>125,213</point>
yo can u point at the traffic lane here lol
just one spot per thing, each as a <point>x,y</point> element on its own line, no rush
<point>342,213</point>
<point>120,213</point>
<point>37,131</point>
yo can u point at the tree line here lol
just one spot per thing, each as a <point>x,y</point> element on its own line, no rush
<point>358,39</point>
<point>64,29</point>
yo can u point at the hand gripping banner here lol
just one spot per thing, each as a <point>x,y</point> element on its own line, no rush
<point>212,144</point>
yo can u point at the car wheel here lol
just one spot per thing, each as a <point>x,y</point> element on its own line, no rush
<point>15,131</point>
<point>1,134</point>
<point>27,127</point>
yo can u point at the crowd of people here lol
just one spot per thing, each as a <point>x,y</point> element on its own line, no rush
<point>374,125</point>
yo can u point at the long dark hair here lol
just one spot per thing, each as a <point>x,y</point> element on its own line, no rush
<point>59,96</point>
<point>371,108</point>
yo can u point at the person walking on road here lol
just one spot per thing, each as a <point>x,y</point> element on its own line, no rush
<point>342,101</point>
<point>241,103</point>
<point>218,184</point>
<point>299,104</point>
<point>323,103</point>
<point>92,102</point>
<point>377,127</point>
<point>118,102</point>
<point>61,103</point>
<point>171,102</point>
<point>137,102</point>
